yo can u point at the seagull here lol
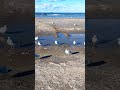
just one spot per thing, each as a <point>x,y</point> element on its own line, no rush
<point>94,40</point>
<point>84,43</point>
<point>118,41</point>
<point>67,51</point>
<point>56,42</point>
<point>36,38</point>
<point>75,25</point>
<point>38,43</point>
<point>38,21</point>
<point>10,42</point>
<point>74,42</point>
<point>52,23</point>
<point>3,29</point>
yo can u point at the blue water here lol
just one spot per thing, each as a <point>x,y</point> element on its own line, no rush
<point>60,15</point>
<point>62,39</point>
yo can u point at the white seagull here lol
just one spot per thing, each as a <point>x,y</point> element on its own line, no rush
<point>67,51</point>
<point>38,43</point>
<point>10,42</point>
<point>36,38</point>
<point>94,40</point>
<point>84,43</point>
<point>74,42</point>
<point>3,29</point>
<point>56,42</point>
<point>38,21</point>
<point>75,25</point>
<point>52,22</point>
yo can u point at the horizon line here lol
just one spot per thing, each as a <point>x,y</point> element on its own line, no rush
<point>59,12</point>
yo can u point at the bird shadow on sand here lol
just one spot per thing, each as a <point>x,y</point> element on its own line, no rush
<point>17,32</point>
<point>25,73</point>
<point>26,45</point>
<point>96,63</point>
<point>46,45</point>
<point>74,52</point>
<point>104,41</point>
<point>44,57</point>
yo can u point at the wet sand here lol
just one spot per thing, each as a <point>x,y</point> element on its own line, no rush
<point>53,26</point>
<point>60,71</point>
<point>14,60</point>
<point>104,76</point>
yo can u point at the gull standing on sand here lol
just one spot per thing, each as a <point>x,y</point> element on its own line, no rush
<point>38,21</point>
<point>84,43</point>
<point>118,41</point>
<point>52,23</point>
<point>67,51</point>
<point>3,29</point>
<point>36,38</point>
<point>37,42</point>
<point>10,42</point>
<point>75,25</point>
<point>94,40</point>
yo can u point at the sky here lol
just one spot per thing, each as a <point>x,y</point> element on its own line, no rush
<point>60,6</point>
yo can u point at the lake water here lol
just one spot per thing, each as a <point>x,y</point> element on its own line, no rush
<point>60,15</point>
<point>62,39</point>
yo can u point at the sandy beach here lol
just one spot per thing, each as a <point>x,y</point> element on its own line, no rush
<point>60,71</point>
<point>55,70</point>
<point>52,26</point>
<point>18,64</point>
<point>105,75</point>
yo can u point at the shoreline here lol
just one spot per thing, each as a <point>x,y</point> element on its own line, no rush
<point>63,71</point>
<point>58,18</point>
<point>52,26</point>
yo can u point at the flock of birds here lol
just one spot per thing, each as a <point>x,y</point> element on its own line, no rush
<point>56,42</point>
<point>37,42</point>
<point>9,40</point>
<point>94,41</point>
